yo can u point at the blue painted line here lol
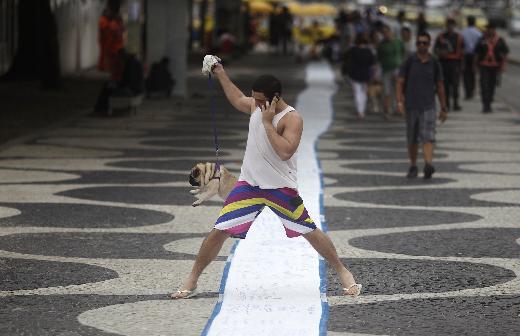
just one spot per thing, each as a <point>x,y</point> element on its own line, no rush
<point>323,265</point>
<point>223,281</point>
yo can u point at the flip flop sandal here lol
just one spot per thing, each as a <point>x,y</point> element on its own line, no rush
<point>346,291</point>
<point>190,294</point>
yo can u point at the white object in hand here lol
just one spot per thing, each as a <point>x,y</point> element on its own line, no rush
<point>208,63</point>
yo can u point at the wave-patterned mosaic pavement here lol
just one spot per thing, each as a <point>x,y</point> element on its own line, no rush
<point>96,223</point>
<point>439,257</point>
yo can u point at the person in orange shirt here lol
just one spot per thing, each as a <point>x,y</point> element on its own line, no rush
<point>111,39</point>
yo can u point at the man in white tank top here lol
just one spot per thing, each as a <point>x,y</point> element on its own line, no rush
<point>267,178</point>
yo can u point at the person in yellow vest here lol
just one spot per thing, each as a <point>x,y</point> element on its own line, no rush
<point>449,48</point>
<point>491,58</point>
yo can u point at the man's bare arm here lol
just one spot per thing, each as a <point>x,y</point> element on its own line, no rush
<point>286,144</point>
<point>236,97</point>
<point>442,100</point>
<point>399,95</point>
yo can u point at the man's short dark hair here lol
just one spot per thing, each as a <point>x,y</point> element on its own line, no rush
<point>360,39</point>
<point>423,34</point>
<point>471,20</point>
<point>268,85</point>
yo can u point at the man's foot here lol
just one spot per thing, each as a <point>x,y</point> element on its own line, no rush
<point>428,171</point>
<point>353,290</point>
<point>487,109</point>
<point>350,287</point>
<point>412,172</point>
<point>184,294</point>
<point>457,108</point>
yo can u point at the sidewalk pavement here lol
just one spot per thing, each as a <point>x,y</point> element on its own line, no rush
<point>96,226</point>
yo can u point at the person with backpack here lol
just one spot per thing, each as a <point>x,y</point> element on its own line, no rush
<point>420,77</point>
<point>491,58</point>
<point>449,48</point>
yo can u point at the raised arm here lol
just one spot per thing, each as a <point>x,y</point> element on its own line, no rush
<point>399,91</point>
<point>236,97</point>
<point>441,94</point>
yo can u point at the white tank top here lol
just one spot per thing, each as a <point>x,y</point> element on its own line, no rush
<point>262,166</point>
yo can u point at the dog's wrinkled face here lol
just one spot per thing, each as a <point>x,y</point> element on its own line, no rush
<point>195,177</point>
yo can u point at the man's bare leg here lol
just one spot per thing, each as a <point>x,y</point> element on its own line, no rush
<point>208,252</point>
<point>428,152</point>
<point>324,246</point>
<point>387,102</point>
<point>413,150</point>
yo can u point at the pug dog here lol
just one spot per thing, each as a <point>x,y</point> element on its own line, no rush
<point>210,182</point>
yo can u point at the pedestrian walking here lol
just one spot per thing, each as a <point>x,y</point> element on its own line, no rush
<point>406,37</point>
<point>268,178</point>
<point>471,36</point>
<point>274,29</point>
<point>449,48</point>
<point>420,77</point>
<point>400,22</point>
<point>375,88</point>
<point>342,26</point>
<point>390,53</point>
<point>285,20</point>
<point>357,66</point>
<point>422,24</point>
<point>491,58</point>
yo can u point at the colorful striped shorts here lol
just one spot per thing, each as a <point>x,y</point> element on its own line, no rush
<point>245,202</point>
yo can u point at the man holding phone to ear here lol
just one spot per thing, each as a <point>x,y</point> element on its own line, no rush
<point>268,178</point>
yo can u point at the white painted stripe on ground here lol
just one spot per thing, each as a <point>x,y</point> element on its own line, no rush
<point>273,284</point>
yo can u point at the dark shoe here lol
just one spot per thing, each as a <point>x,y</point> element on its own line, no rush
<point>428,171</point>
<point>487,109</point>
<point>412,172</point>
<point>457,108</point>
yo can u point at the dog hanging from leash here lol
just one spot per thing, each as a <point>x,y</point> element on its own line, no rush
<point>211,178</point>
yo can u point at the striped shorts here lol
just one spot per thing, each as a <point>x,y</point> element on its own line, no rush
<point>245,202</point>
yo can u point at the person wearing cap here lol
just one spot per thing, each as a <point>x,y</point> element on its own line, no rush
<point>449,48</point>
<point>491,58</point>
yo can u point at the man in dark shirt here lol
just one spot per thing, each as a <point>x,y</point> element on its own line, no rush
<point>449,48</point>
<point>420,77</point>
<point>491,58</point>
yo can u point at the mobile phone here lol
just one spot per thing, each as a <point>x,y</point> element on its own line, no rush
<point>276,95</point>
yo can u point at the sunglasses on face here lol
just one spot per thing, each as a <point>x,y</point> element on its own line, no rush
<point>423,43</point>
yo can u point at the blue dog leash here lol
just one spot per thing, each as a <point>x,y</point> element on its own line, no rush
<point>214,120</point>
